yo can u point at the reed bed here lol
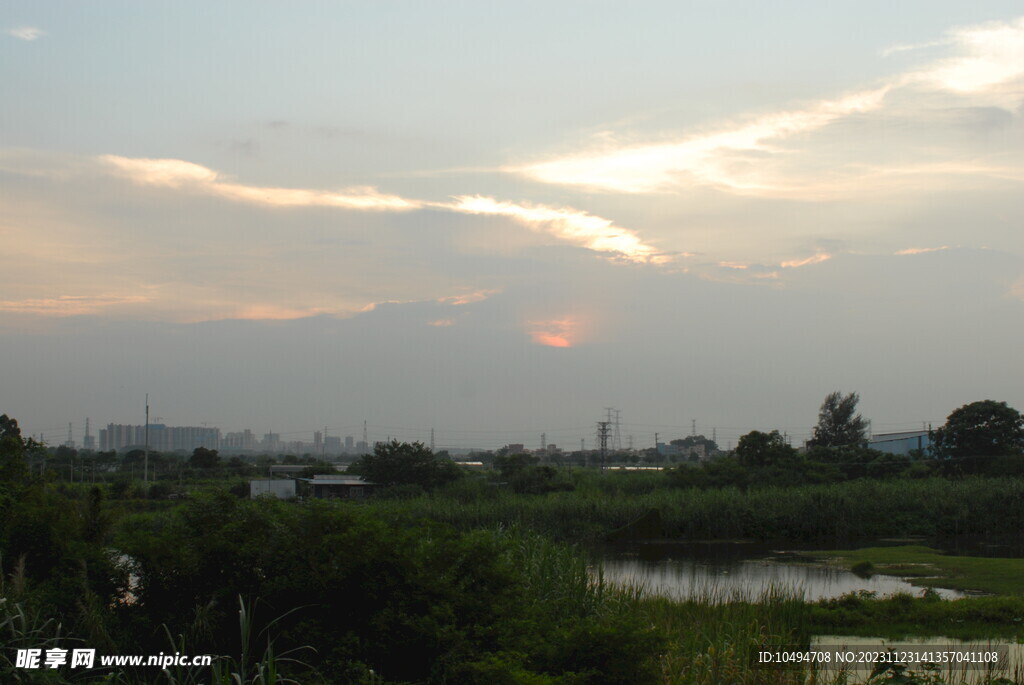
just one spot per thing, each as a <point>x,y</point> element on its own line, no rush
<point>838,511</point>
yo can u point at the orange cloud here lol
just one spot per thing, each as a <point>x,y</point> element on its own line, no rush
<point>467,298</point>
<point>816,259</point>
<point>67,305</point>
<point>921,250</point>
<point>267,312</point>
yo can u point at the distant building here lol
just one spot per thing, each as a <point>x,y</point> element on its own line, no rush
<point>118,436</point>
<point>242,441</point>
<point>669,450</point>
<point>900,443</point>
<point>162,438</point>
<point>332,444</point>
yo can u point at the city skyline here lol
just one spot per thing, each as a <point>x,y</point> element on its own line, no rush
<point>495,220</point>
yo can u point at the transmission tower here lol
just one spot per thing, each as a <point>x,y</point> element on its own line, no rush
<point>603,428</point>
<point>617,442</point>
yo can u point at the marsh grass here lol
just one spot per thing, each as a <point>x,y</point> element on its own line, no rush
<point>934,507</point>
<point>930,568</point>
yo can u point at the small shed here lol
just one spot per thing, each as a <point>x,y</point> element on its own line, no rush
<point>340,487</point>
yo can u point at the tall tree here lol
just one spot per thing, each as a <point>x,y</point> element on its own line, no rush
<point>13,450</point>
<point>980,429</point>
<point>839,424</point>
<point>404,463</point>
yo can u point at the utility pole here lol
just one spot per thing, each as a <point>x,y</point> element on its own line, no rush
<point>431,439</point>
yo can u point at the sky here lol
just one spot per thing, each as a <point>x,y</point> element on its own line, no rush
<point>497,220</point>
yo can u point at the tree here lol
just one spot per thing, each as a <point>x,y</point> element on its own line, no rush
<point>14,450</point>
<point>764,449</point>
<point>980,429</point>
<point>690,441</point>
<point>204,458</point>
<point>838,423</point>
<point>404,463</point>
<point>511,464</point>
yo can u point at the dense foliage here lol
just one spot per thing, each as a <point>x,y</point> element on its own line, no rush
<point>838,423</point>
<point>980,429</point>
<point>404,463</point>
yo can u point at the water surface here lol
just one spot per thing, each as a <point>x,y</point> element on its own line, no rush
<point>728,571</point>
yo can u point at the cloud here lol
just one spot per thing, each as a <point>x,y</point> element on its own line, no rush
<point>441,322</point>
<point>988,56</point>
<point>273,312</point>
<point>1017,288</point>
<point>182,175</point>
<point>803,152</point>
<point>68,305</point>
<point>467,298</point>
<point>908,47</point>
<point>921,250</point>
<point>571,225</point>
<point>702,158</point>
<point>27,33</point>
<point>797,263</point>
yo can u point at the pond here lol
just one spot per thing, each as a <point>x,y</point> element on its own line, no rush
<point>725,571</point>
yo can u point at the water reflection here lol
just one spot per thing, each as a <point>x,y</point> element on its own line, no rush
<point>725,572</point>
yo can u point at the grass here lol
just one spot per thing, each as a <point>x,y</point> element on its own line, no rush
<point>902,615</point>
<point>927,567</point>
<point>933,507</point>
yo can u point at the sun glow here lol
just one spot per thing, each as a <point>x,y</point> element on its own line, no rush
<point>555,332</point>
